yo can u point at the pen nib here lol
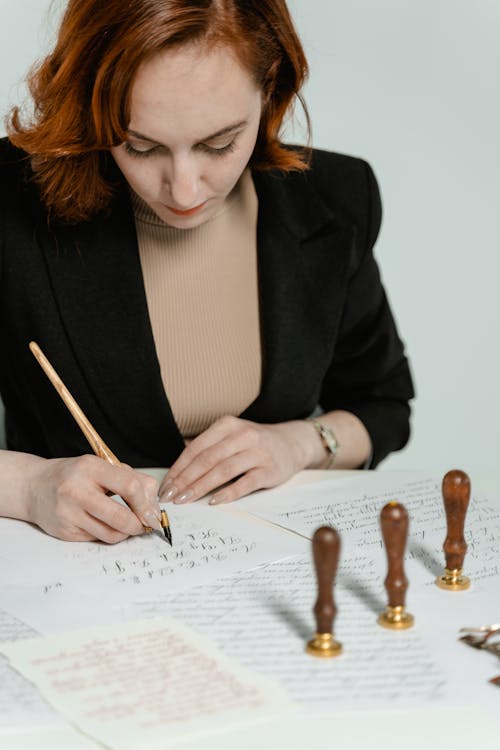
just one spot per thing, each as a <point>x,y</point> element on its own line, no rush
<point>165,524</point>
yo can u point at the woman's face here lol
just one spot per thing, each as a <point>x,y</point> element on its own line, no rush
<point>194,121</point>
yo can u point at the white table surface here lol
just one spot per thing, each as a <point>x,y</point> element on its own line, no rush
<point>378,730</point>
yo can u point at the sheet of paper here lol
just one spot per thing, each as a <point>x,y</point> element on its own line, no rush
<point>264,620</point>
<point>353,507</point>
<point>20,701</point>
<point>56,609</point>
<point>145,684</point>
<point>263,617</point>
<point>207,544</point>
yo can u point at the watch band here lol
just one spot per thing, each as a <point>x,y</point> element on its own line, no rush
<point>328,439</point>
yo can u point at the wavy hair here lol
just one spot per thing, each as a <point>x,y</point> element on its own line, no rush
<point>81,91</point>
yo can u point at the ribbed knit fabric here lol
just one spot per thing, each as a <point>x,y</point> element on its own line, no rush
<point>202,293</point>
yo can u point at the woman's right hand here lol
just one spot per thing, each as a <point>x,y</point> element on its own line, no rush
<point>69,499</point>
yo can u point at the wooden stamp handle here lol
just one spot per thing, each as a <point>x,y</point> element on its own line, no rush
<point>456,495</point>
<point>394,525</point>
<point>326,550</point>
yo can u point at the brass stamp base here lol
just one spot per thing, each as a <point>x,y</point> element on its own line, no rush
<point>324,645</point>
<point>396,618</point>
<point>453,580</point>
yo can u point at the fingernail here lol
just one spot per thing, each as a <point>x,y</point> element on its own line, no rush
<point>168,496</point>
<point>217,499</point>
<point>149,519</point>
<point>184,497</point>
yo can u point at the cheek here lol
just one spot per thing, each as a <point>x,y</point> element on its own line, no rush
<point>231,168</point>
<point>140,175</point>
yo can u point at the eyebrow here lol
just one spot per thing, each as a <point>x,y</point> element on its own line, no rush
<point>211,137</point>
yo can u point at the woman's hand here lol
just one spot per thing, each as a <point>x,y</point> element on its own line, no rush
<point>67,498</point>
<point>247,455</point>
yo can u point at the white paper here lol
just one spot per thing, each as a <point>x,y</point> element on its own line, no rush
<point>20,701</point>
<point>207,544</point>
<point>144,684</point>
<point>353,507</point>
<point>263,617</point>
<point>264,620</point>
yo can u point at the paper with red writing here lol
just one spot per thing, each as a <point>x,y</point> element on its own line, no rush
<point>144,684</point>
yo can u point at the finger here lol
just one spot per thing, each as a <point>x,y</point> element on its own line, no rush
<point>112,514</point>
<point>216,432</point>
<point>227,470</point>
<point>100,531</point>
<point>69,533</point>
<point>139,492</point>
<point>167,488</point>
<point>83,528</point>
<point>217,464</point>
<point>252,481</point>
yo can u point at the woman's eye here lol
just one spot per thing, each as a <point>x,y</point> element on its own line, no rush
<point>217,150</point>
<point>204,147</point>
<point>139,152</point>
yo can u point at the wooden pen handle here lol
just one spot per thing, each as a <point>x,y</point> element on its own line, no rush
<point>97,444</point>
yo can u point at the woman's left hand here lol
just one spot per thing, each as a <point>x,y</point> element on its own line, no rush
<point>245,456</point>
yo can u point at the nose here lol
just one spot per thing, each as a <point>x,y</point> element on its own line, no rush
<point>184,182</point>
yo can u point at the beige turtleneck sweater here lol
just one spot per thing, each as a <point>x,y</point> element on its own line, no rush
<point>202,293</point>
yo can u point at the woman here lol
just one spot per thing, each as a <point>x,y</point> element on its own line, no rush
<point>200,287</point>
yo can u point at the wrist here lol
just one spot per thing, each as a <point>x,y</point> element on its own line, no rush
<point>306,449</point>
<point>24,471</point>
<point>328,442</point>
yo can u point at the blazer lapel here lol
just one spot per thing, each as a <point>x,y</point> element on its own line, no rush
<point>97,280</point>
<point>303,269</point>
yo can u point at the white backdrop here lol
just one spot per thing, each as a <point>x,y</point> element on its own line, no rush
<point>414,88</point>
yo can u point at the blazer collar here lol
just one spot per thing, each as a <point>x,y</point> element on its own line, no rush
<point>292,202</point>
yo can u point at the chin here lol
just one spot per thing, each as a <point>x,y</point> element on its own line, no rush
<point>184,222</point>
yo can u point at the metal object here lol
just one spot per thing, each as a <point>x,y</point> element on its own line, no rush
<point>480,637</point>
<point>396,618</point>
<point>485,637</point>
<point>453,580</point>
<point>324,645</point>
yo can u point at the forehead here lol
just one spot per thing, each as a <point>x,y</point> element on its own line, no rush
<point>191,91</point>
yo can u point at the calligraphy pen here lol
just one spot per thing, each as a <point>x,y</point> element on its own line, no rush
<point>95,441</point>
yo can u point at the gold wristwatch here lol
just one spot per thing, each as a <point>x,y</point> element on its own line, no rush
<point>328,439</point>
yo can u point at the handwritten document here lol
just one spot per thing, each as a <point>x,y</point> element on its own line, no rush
<point>353,506</point>
<point>264,620</point>
<point>144,684</point>
<point>262,615</point>
<point>207,544</point>
<point>20,701</point>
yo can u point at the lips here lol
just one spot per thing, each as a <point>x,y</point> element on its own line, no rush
<point>188,211</point>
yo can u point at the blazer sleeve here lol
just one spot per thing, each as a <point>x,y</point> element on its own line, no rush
<point>369,374</point>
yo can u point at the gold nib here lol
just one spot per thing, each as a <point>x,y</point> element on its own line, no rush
<point>165,524</point>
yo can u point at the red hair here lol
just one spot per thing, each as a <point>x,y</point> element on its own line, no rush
<point>81,91</point>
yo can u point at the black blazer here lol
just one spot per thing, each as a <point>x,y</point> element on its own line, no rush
<point>328,334</point>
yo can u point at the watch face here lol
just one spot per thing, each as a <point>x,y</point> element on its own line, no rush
<point>328,438</point>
